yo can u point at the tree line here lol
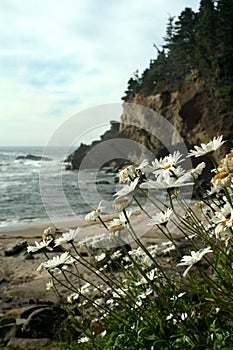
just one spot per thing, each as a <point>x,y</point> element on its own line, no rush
<point>196,45</point>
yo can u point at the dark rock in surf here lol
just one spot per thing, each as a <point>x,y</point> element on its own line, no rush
<point>33,157</point>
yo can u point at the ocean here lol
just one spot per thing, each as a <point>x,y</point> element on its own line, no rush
<point>36,191</point>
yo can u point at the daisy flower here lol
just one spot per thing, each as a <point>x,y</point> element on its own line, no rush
<point>228,160</point>
<point>145,294</point>
<point>67,237</point>
<point>72,298</point>
<point>49,285</point>
<point>39,246</point>
<point>224,221</point>
<point>49,233</point>
<point>195,172</point>
<point>127,172</point>
<point>121,220</point>
<point>86,288</point>
<point>165,181</point>
<point>161,218</point>
<point>95,213</point>
<point>58,261</point>
<point>167,162</point>
<point>127,189</point>
<point>130,172</point>
<point>193,258</point>
<point>100,257</point>
<point>208,148</point>
<point>221,180</point>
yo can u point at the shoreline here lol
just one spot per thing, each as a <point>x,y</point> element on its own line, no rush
<point>35,230</point>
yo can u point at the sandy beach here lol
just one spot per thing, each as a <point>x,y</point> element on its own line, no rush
<point>21,283</point>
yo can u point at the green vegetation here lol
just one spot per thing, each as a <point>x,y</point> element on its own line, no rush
<point>176,294</point>
<point>197,46</point>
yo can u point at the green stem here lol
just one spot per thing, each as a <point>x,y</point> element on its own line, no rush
<point>140,206</point>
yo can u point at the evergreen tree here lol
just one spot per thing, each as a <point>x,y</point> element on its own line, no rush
<point>182,47</point>
<point>225,37</point>
<point>199,42</point>
<point>134,85</point>
<point>206,41</point>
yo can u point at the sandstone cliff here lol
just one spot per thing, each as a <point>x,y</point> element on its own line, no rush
<point>190,116</point>
<point>189,111</point>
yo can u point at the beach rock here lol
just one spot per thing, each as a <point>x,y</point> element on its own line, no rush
<point>31,344</point>
<point>17,248</point>
<point>33,157</point>
<point>7,331</point>
<point>4,320</point>
<point>102,182</point>
<point>44,322</point>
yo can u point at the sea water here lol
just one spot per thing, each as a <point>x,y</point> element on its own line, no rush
<point>21,201</point>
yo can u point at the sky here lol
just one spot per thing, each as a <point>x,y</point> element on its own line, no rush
<point>59,58</point>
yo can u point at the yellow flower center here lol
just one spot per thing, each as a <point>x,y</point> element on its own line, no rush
<point>223,223</point>
<point>220,175</point>
<point>220,166</point>
<point>167,167</point>
<point>116,227</point>
<point>124,167</point>
<point>229,155</point>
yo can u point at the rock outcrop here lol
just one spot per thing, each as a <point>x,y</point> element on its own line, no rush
<point>191,121</point>
<point>33,157</point>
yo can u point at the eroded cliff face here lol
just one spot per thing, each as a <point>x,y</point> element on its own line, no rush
<point>189,112</point>
<point>163,123</point>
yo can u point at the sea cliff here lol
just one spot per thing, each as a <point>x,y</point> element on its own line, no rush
<point>189,111</point>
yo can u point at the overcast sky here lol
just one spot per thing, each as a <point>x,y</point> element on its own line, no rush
<point>61,57</point>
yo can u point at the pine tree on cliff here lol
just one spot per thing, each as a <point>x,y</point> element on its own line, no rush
<point>205,32</point>
<point>225,38</point>
<point>182,45</point>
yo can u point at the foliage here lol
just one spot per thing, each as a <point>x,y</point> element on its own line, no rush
<point>170,295</point>
<point>200,42</point>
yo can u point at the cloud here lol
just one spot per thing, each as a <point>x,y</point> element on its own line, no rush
<point>58,57</point>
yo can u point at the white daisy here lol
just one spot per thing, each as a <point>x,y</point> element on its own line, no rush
<point>49,285</point>
<point>224,221</point>
<point>221,180</point>
<point>121,220</point>
<point>167,162</point>
<point>83,340</point>
<point>67,237</point>
<point>224,215</point>
<point>161,218</point>
<point>127,172</point>
<point>72,298</point>
<point>49,233</point>
<point>99,257</point>
<point>165,181</point>
<point>228,161</point>
<point>145,294</point>
<point>151,275</point>
<point>95,213</point>
<point>58,261</point>
<point>39,246</point>
<point>193,258</point>
<point>195,172</point>
<point>127,189</point>
<point>208,148</point>
<point>86,288</point>
<point>130,172</point>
